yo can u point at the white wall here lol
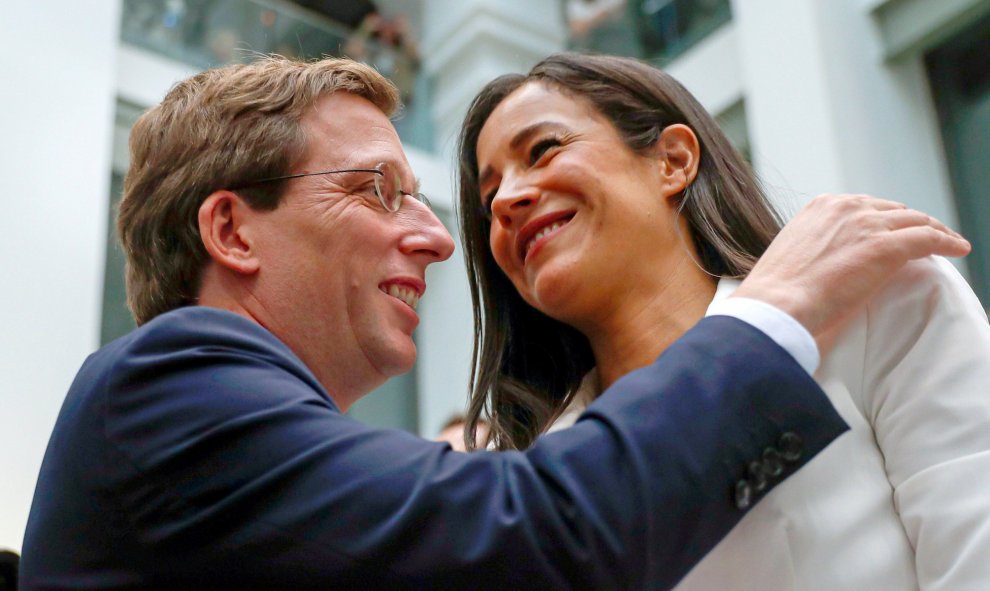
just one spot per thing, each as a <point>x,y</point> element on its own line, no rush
<point>443,339</point>
<point>828,112</point>
<point>787,100</point>
<point>56,113</point>
<point>712,70</point>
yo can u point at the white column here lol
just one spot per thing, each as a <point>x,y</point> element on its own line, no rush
<point>788,102</point>
<point>828,113</point>
<point>469,42</point>
<point>56,113</point>
<point>466,43</point>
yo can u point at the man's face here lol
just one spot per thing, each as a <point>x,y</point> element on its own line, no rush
<point>340,276</point>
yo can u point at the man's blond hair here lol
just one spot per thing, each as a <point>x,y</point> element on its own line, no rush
<point>219,129</point>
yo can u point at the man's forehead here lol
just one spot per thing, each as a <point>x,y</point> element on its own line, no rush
<point>346,129</point>
<point>343,105</point>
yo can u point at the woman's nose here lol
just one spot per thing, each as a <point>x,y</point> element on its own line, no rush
<point>512,200</point>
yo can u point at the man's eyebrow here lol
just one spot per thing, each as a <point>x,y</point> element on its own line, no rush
<point>521,137</point>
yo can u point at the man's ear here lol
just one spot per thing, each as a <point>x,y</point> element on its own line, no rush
<point>224,228</point>
<point>679,154</point>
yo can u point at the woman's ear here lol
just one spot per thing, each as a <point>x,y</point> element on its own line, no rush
<point>224,227</point>
<point>679,154</point>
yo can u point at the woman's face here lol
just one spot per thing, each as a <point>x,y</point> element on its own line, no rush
<point>578,218</point>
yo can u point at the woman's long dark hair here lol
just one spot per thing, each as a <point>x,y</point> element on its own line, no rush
<point>526,364</point>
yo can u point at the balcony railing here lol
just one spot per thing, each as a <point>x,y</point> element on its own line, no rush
<point>209,33</point>
<point>659,30</point>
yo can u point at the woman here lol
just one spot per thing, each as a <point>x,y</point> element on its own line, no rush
<point>602,212</point>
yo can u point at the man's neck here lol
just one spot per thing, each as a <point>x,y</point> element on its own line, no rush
<point>221,290</point>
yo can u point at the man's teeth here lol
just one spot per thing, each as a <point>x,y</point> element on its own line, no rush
<point>407,295</point>
<point>543,232</point>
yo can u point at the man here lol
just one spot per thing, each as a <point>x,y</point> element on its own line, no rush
<point>276,252</point>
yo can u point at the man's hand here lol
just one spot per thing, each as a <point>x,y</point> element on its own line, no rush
<point>839,251</point>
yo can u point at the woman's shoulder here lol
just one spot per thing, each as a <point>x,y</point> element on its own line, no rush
<point>925,291</point>
<point>926,275</point>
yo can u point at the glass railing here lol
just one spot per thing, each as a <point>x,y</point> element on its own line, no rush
<point>659,30</point>
<point>209,33</point>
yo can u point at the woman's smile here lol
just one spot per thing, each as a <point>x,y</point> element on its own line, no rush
<point>538,232</point>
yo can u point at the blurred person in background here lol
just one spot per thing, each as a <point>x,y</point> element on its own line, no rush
<point>453,429</point>
<point>601,26</point>
<point>9,561</point>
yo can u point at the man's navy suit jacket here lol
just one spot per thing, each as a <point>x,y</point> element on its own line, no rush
<point>199,452</point>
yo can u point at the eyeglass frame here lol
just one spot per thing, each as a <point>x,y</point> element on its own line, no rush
<point>379,184</point>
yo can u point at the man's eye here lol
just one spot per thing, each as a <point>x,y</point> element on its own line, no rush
<point>365,186</point>
<point>366,189</point>
<point>541,147</point>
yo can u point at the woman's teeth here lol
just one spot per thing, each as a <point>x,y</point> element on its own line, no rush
<point>543,232</point>
<point>407,295</point>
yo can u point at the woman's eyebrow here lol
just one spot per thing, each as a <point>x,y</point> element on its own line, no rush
<point>530,130</point>
<point>521,137</point>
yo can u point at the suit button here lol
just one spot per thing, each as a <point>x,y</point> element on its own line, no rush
<point>773,464</point>
<point>744,495</point>
<point>756,476</point>
<point>791,446</point>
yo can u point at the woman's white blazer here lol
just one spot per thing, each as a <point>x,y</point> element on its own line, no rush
<point>901,501</point>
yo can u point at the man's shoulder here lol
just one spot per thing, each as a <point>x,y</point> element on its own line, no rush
<point>190,330</point>
<point>192,344</point>
<point>146,429</point>
<point>185,373</point>
<point>192,326</point>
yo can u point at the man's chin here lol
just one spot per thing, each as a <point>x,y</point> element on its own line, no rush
<point>400,360</point>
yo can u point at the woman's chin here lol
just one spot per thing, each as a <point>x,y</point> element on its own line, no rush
<point>561,303</point>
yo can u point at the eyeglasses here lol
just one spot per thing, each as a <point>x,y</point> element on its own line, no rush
<point>388,186</point>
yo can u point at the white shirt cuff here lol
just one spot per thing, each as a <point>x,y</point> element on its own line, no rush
<point>780,326</point>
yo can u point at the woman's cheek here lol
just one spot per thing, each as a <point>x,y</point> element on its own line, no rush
<point>500,245</point>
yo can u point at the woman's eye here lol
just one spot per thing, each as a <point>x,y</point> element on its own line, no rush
<point>541,147</point>
<point>486,204</point>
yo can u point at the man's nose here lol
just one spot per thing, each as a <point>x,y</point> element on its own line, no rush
<point>429,237</point>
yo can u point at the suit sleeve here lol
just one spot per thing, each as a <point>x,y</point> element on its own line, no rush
<point>231,461</point>
<point>928,373</point>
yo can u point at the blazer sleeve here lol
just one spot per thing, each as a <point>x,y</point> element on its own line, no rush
<point>927,375</point>
<point>234,468</point>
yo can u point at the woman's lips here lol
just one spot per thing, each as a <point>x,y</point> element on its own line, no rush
<point>546,231</point>
<point>537,232</point>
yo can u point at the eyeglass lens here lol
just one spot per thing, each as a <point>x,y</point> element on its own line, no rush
<point>387,186</point>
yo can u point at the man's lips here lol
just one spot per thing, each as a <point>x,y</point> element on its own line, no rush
<point>406,289</point>
<point>534,233</point>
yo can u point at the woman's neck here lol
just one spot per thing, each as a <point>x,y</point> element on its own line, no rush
<point>649,321</point>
